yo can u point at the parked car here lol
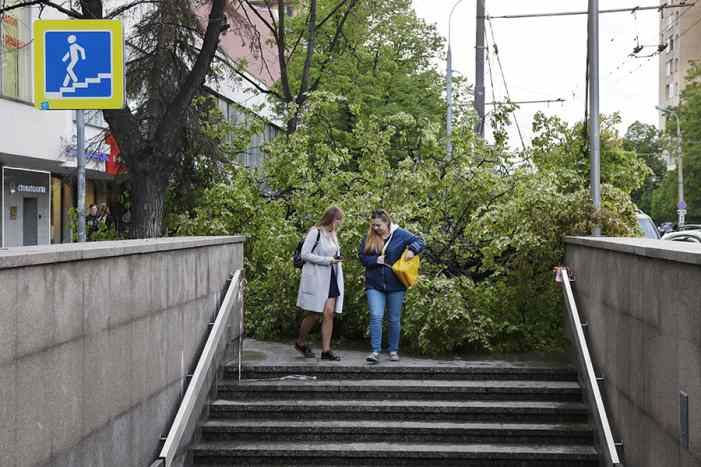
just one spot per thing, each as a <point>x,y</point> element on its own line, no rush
<point>665,228</point>
<point>648,229</point>
<point>691,236</point>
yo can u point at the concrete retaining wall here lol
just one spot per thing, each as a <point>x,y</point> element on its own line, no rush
<point>95,342</point>
<point>642,300</point>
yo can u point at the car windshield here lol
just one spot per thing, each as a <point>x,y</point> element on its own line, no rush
<point>647,228</point>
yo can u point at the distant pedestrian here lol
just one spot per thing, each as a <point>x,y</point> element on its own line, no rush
<point>92,221</point>
<point>105,216</point>
<point>321,284</point>
<point>384,244</point>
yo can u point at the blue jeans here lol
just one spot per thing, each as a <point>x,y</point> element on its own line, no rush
<point>376,304</point>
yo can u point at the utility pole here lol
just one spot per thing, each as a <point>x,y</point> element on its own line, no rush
<point>80,156</point>
<point>594,126</point>
<point>479,68</point>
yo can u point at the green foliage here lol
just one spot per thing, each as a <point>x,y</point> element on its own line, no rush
<point>557,145</point>
<point>211,145</point>
<point>104,232</point>
<point>664,199</point>
<point>647,143</point>
<point>690,120</point>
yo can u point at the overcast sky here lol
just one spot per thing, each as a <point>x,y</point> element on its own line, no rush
<point>545,58</point>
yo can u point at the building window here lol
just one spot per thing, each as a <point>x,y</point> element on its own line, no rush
<point>237,116</point>
<point>671,44</point>
<point>669,66</point>
<point>15,53</point>
<point>668,91</point>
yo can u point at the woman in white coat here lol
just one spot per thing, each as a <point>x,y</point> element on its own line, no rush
<point>321,285</point>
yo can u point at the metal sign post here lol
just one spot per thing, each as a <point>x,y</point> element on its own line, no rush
<point>80,155</point>
<point>79,64</point>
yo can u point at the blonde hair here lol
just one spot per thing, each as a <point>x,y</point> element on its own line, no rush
<point>374,241</point>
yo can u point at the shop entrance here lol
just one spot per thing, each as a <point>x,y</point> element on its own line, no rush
<point>30,222</point>
<point>26,207</point>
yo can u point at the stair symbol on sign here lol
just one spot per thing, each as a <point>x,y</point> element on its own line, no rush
<point>85,84</point>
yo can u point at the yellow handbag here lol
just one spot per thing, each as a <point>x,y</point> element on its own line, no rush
<point>407,270</point>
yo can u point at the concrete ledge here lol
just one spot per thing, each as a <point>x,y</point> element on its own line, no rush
<point>96,341</point>
<point>640,298</point>
<point>680,252</point>
<point>48,254</point>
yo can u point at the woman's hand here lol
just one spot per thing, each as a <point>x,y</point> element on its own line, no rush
<point>409,254</point>
<point>381,259</point>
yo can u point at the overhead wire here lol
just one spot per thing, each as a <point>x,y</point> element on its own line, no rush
<point>489,67</point>
<point>503,77</point>
<point>575,13</point>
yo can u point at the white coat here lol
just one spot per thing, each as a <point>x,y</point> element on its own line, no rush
<point>316,272</point>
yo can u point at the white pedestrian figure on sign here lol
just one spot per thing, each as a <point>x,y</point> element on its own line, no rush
<point>73,53</point>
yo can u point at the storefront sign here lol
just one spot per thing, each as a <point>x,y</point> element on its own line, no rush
<point>91,155</point>
<point>32,189</point>
<point>18,181</point>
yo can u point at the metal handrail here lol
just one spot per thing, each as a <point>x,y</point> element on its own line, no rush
<point>588,377</point>
<point>242,327</point>
<point>234,294</point>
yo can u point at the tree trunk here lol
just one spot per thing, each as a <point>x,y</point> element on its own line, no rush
<point>147,204</point>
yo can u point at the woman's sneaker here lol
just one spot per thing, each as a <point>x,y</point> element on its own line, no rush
<point>373,358</point>
<point>304,350</point>
<point>394,356</point>
<point>330,356</point>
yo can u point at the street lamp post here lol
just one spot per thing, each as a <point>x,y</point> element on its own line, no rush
<point>449,89</point>
<point>681,205</point>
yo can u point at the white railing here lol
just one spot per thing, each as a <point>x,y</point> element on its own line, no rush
<point>602,428</point>
<point>201,380</point>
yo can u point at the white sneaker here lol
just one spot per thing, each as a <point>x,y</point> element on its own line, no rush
<point>373,358</point>
<point>394,356</point>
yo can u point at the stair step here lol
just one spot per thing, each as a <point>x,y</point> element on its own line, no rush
<point>502,411</point>
<point>383,453</point>
<point>364,430</point>
<point>401,389</point>
<point>472,371</point>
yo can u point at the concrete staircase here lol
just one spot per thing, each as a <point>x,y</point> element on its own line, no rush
<point>470,415</point>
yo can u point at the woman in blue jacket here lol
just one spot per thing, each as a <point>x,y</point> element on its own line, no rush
<point>382,246</point>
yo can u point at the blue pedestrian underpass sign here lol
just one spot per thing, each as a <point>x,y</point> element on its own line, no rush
<point>681,205</point>
<point>78,64</point>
